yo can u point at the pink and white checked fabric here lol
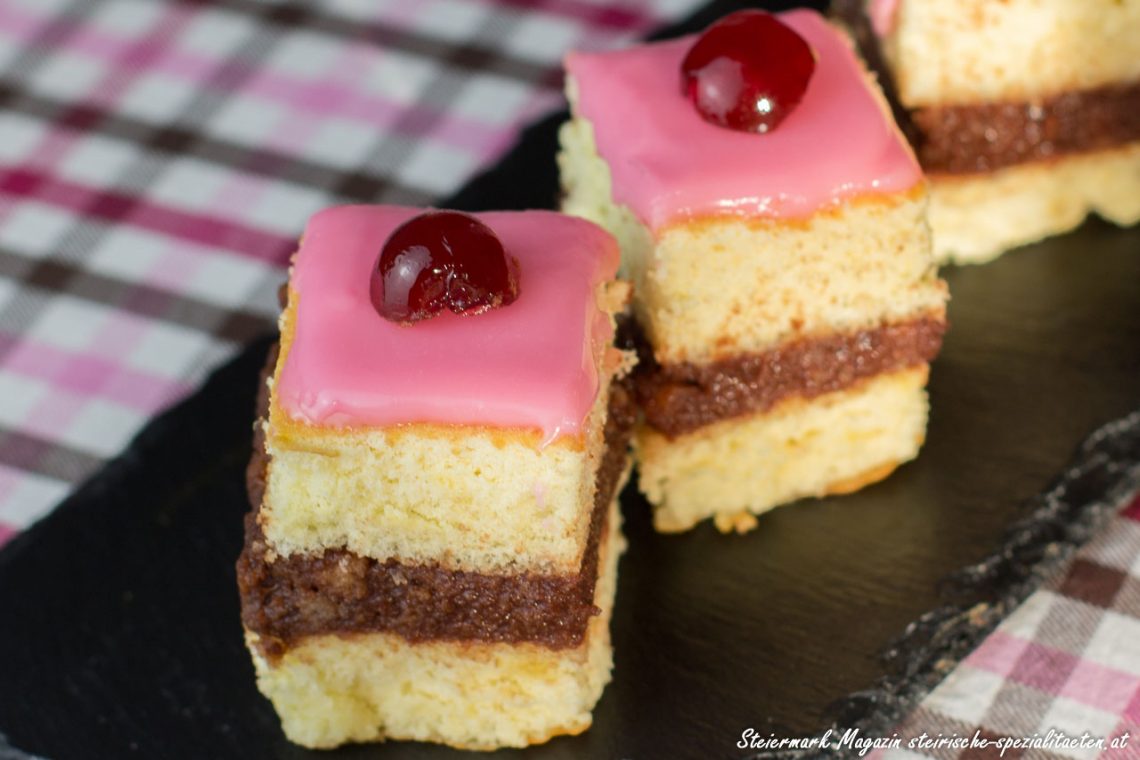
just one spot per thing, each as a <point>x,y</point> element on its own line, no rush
<point>159,158</point>
<point>1066,660</point>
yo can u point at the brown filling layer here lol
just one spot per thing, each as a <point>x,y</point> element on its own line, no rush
<point>985,137</point>
<point>287,598</point>
<point>965,139</point>
<point>679,398</point>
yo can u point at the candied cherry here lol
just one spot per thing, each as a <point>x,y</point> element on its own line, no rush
<point>747,72</point>
<point>442,260</point>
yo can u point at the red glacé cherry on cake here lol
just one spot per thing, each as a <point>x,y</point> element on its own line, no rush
<point>747,71</point>
<point>442,260</point>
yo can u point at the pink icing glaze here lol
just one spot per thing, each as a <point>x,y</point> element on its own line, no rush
<point>882,13</point>
<point>527,365</point>
<point>669,165</point>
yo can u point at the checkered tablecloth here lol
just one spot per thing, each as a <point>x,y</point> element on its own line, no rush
<point>159,158</point>
<point>1064,666</point>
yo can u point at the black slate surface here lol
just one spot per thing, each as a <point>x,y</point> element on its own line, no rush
<point>119,632</point>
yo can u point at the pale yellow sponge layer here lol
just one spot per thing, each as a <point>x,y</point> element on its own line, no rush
<point>727,286</point>
<point>836,443</point>
<point>953,52</point>
<point>978,216</point>
<point>474,498</point>
<point>334,689</point>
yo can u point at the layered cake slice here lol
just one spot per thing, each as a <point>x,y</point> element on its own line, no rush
<point>433,544</point>
<point>772,221</point>
<point>1025,115</point>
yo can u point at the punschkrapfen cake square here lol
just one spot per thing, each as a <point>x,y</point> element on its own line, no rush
<point>772,221</point>
<point>433,545</point>
<point>1025,115</point>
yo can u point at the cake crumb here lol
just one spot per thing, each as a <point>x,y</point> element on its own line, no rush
<point>740,522</point>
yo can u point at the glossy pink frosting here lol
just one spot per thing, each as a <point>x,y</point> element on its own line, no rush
<point>527,365</point>
<point>882,13</point>
<point>670,165</point>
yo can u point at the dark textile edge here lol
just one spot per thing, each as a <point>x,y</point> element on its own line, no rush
<point>1104,471</point>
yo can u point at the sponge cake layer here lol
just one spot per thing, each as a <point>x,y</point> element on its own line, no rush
<point>722,287</point>
<point>975,51</point>
<point>835,443</point>
<point>286,598</point>
<point>334,688</point>
<point>418,492</point>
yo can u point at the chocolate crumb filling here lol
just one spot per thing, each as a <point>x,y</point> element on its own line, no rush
<point>983,137</point>
<point>680,398</point>
<point>287,598</point>
<point>989,136</point>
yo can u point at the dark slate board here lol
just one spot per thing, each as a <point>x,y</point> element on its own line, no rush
<point>119,617</point>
